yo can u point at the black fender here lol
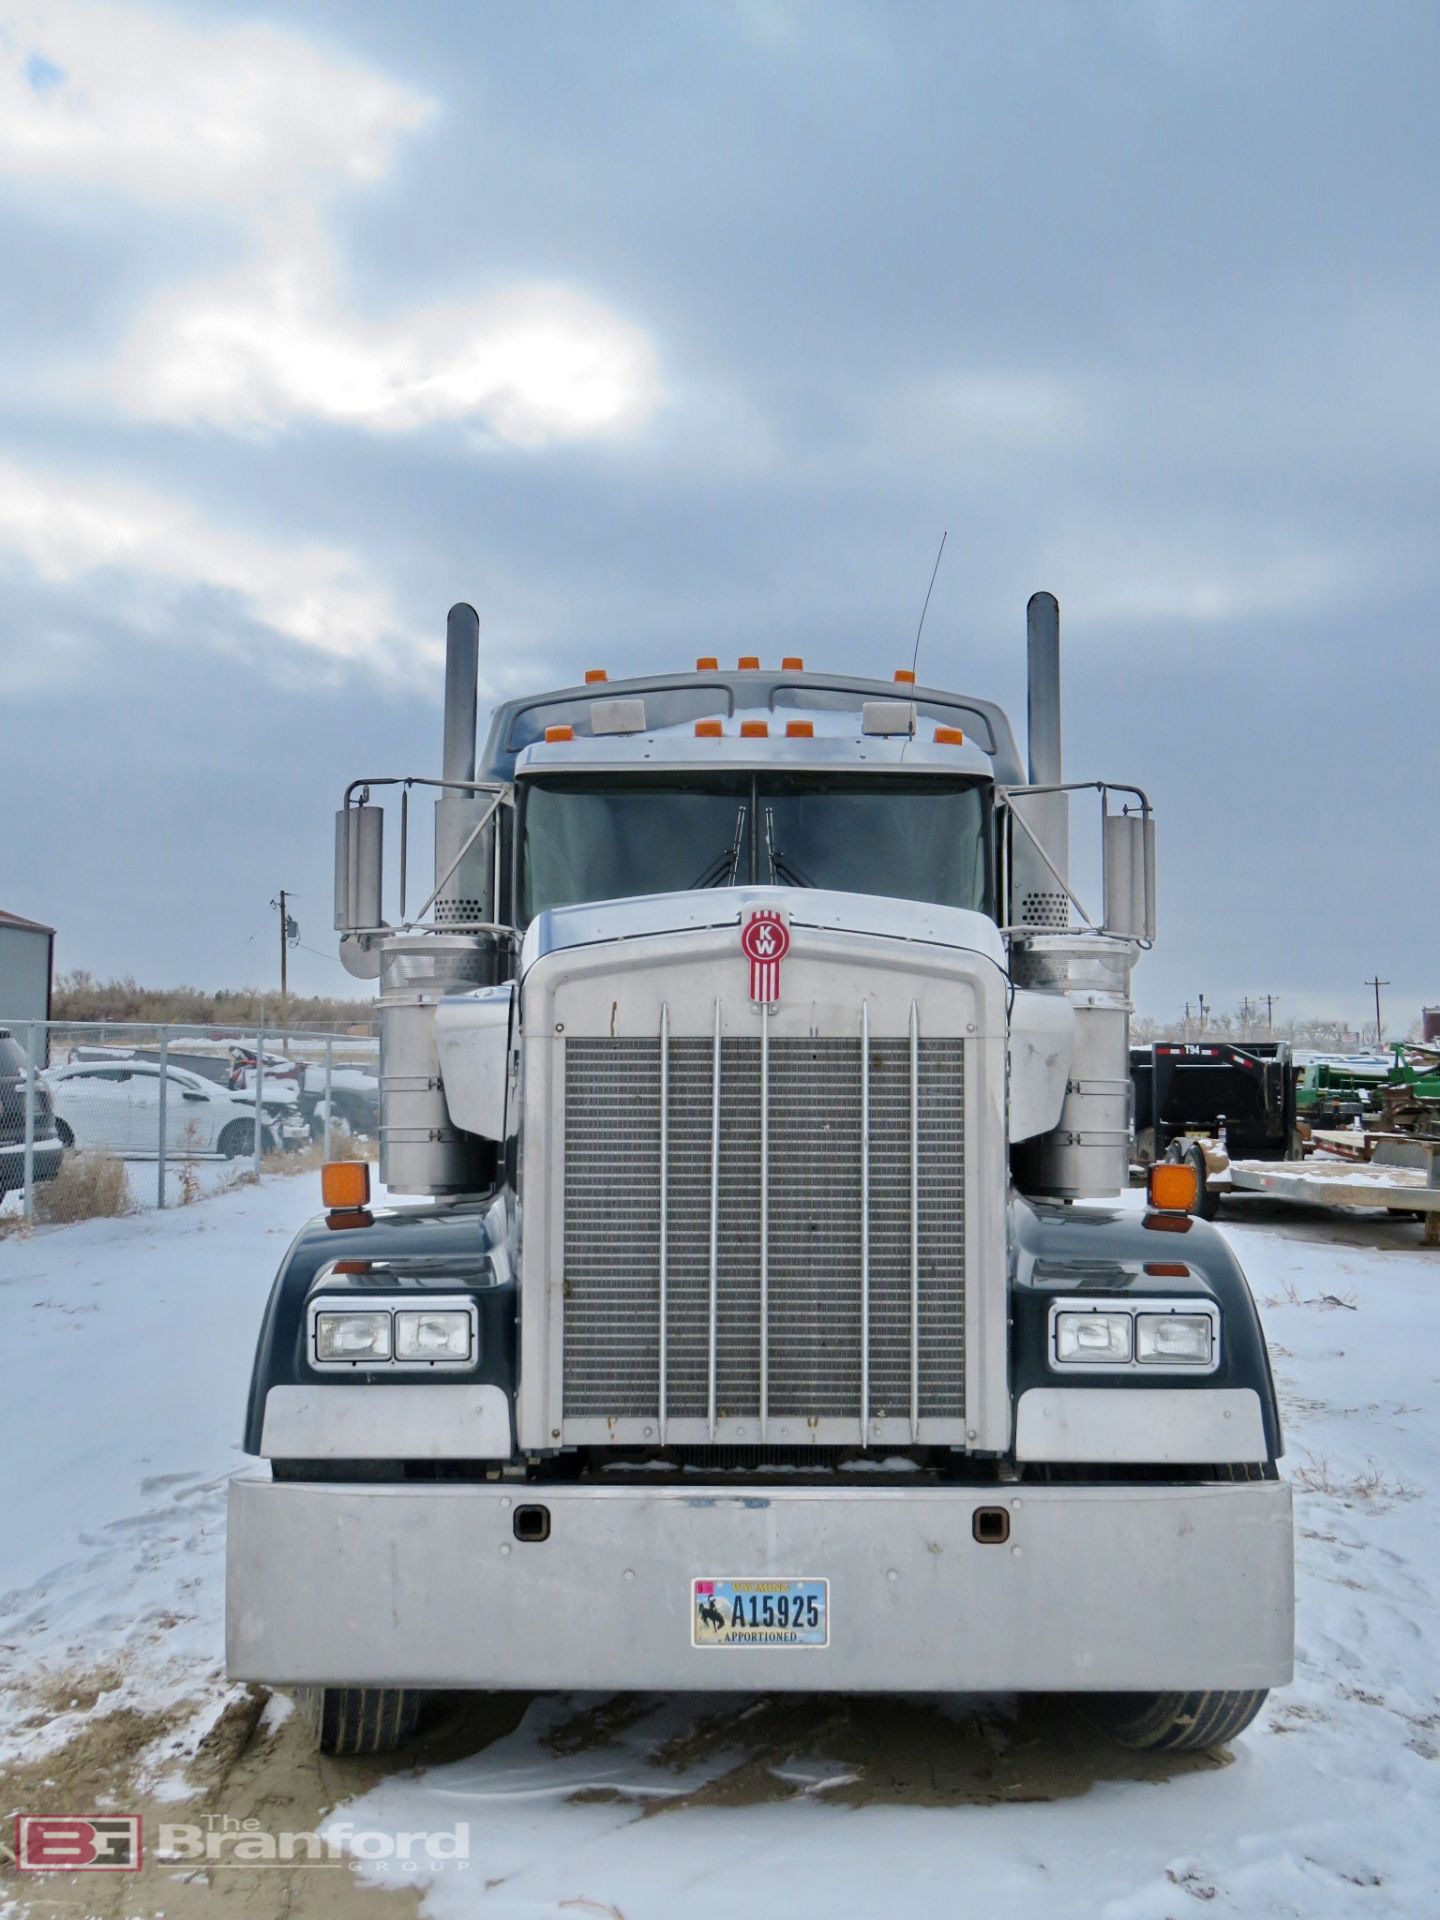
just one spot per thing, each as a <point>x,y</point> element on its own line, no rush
<point>430,1249</point>
<point>1059,1249</point>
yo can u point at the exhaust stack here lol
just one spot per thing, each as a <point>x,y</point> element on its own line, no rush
<point>468,895</point>
<point>462,675</point>
<point>1039,899</point>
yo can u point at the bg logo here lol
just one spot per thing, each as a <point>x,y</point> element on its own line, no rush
<point>91,1843</point>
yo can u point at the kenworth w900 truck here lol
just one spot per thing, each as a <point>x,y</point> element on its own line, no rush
<point>758,1068</point>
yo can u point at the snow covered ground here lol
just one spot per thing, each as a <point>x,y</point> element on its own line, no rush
<point>126,1349</point>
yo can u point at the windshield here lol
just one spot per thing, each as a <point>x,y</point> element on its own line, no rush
<point>608,837</point>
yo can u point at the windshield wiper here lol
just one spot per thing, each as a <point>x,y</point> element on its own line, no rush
<point>722,870</point>
<point>780,867</point>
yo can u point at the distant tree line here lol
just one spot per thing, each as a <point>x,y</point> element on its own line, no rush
<point>1248,1023</point>
<point>80,996</point>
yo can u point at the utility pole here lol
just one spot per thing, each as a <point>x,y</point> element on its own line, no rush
<point>289,935</point>
<point>1202,1013</point>
<point>1247,1011</point>
<point>1377,983</point>
<point>1270,999</point>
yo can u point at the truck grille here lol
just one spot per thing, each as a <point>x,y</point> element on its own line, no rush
<point>811,1268</point>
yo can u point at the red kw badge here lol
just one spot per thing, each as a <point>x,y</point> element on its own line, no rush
<point>765,941</point>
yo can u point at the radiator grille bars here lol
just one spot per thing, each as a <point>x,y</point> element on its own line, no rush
<point>764,1229</point>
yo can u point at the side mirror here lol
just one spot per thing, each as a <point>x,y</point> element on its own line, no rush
<point>359,867</point>
<point>1129,854</point>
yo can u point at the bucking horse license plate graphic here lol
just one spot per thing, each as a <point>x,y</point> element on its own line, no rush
<point>760,1613</point>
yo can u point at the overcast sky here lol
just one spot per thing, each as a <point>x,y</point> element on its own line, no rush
<point>673,328</point>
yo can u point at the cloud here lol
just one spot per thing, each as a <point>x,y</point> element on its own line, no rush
<point>152,551</point>
<point>134,101</point>
<point>269,126</point>
<point>272,345</point>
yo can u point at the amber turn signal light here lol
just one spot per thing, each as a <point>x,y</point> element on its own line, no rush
<point>345,1184</point>
<point>1172,1188</point>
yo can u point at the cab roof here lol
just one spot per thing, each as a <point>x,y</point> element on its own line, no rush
<point>674,702</point>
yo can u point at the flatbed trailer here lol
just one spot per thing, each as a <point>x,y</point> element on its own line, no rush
<point>1346,1183</point>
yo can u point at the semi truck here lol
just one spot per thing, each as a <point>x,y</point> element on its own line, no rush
<point>759,1309</point>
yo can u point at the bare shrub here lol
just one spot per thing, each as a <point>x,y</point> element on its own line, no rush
<point>89,1186</point>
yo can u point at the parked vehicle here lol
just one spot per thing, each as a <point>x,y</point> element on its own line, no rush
<point>354,1101</point>
<point>1190,1093</point>
<point>750,1335</point>
<point>115,1105</point>
<point>279,1070</point>
<point>46,1148</point>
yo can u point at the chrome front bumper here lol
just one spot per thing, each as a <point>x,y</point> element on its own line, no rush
<point>1097,1588</point>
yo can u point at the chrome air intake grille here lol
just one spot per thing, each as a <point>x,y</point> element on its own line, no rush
<point>799,1236</point>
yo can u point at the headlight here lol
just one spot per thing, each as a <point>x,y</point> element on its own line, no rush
<point>1092,1339</point>
<point>432,1336</point>
<point>1174,1339</point>
<point>352,1336</point>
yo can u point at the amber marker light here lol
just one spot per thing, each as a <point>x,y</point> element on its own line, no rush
<point>799,729</point>
<point>904,677</point>
<point>1172,1188</point>
<point>949,737</point>
<point>708,730</point>
<point>749,663</point>
<point>792,663</point>
<point>595,675</point>
<point>345,1185</point>
<point>754,729</point>
<point>555,734</point>
<point>707,663</point>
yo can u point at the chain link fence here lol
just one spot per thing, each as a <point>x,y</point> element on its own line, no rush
<point>99,1118</point>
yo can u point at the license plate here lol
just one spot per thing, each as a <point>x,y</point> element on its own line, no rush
<point>760,1613</point>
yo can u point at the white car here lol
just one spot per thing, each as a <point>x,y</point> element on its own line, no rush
<point>115,1105</point>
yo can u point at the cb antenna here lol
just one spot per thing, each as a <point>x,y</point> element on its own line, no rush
<point>914,658</point>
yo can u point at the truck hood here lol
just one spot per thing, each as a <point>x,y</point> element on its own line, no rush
<point>657,914</point>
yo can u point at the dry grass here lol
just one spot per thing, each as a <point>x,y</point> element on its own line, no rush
<point>1315,1476</point>
<point>343,1146</point>
<point>89,1186</point>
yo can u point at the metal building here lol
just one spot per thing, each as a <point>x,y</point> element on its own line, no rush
<point>27,968</point>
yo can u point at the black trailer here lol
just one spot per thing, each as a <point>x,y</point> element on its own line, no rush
<point>1215,1090</point>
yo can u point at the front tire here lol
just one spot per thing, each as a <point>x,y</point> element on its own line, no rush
<point>359,1720</point>
<point>64,1135</point>
<point>1172,1722</point>
<point>237,1140</point>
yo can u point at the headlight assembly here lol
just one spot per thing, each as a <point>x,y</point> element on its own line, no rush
<point>403,1334</point>
<point>1134,1336</point>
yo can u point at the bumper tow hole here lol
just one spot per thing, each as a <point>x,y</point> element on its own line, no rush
<point>532,1523</point>
<point>991,1526</point>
